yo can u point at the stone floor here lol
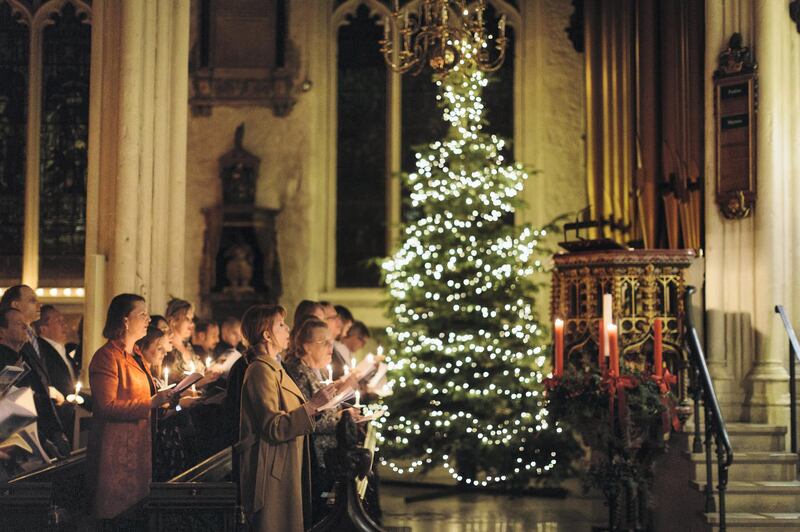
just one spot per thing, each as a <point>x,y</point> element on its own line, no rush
<point>485,513</point>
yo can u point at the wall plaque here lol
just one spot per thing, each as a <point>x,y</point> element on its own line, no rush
<point>735,106</point>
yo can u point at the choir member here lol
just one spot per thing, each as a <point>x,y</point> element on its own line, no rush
<point>119,451</point>
<point>52,331</point>
<point>275,420</point>
<point>205,338</point>
<point>340,357</point>
<point>46,397</point>
<point>307,308</point>
<point>310,351</point>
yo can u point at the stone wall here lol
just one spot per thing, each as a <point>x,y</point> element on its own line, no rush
<point>294,160</point>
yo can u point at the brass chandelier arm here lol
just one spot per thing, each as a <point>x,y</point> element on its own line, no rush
<point>429,37</point>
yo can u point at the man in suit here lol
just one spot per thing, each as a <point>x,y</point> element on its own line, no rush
<point>340,357</point>
<point>51,328</point>
<point>12,336</point>
<point>23,299</point>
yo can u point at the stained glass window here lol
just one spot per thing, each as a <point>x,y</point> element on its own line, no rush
<point>361,151</point>
<point>64,136</point>
<point>14,50</point>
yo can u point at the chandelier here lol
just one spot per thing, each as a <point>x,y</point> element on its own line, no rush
<point>413,40</point>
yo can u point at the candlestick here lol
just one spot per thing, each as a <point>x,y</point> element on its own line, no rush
<point>657,347</point>
<point>601,345</point>
<point>614,352</point>
<point>559,347</point>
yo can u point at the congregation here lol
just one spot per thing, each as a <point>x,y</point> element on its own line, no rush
<point>271,392</point>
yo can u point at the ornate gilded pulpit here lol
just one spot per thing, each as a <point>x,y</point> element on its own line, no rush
<point>645,285</point>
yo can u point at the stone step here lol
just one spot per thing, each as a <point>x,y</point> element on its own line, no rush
<point>754,522</point>
<point>748,466</point>
<point>749,436</point>
<point>758,496</point>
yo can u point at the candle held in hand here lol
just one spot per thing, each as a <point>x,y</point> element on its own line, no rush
<point>330,373</point>
<point>358,399</point>
<point>559,347</point>
<point>208,363</point>
<point>166,376</point>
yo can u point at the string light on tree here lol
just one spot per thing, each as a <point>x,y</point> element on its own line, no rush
<point>466,352</point>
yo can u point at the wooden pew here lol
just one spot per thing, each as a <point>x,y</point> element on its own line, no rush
<point>200,499</point>
<point>48,498</point>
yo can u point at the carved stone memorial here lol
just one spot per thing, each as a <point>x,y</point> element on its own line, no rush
<point>240,264</point>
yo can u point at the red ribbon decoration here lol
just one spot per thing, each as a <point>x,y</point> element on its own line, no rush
<point>669,418</point>
<point>666,381</point>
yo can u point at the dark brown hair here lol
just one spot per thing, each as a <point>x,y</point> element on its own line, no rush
<point>11,294</point>
<point>302,335</point>
<point>305,309</point>
<point>153,334</point>
<point>118,310</point>
<point>258,319</point>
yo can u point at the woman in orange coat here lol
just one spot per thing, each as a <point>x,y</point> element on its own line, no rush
<point>123,395</point>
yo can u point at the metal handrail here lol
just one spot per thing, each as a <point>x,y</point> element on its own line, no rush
<point>794,355</point>
<point>714,421</point>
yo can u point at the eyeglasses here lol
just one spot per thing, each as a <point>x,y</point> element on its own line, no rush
<point>323,341</point>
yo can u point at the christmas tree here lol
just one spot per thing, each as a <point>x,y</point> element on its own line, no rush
<point>465,350</point>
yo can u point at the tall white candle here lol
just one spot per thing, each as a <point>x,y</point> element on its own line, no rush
<point>608,318</point>
<point>358,399</point>
<point>330,373</point>
<point>166,376</point>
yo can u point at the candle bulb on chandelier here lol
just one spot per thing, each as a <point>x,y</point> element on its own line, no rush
<point>559,346</point>
<point>386,29</point>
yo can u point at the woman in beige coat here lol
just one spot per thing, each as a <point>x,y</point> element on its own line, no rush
<point>274,422</point>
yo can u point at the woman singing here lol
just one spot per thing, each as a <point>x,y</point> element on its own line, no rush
<point>275,419</point>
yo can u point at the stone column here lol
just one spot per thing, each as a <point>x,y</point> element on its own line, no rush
<point>716,352</point>
<point>137,155</point>
<point>767,380</point>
